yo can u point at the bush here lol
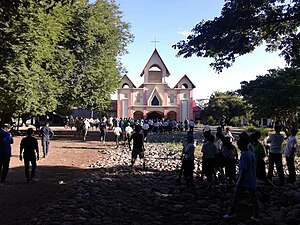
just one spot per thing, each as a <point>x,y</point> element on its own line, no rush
<point>235,122</point>
<point>210,120</point>
<point>252,129</point>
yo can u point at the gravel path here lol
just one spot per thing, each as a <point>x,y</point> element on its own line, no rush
<point>109,194</point>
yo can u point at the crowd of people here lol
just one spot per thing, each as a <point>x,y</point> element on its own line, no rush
<point>219,152</point>
<point>220,157</point>
<point>120,126</point>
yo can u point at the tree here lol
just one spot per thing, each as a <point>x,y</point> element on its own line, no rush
<point>97,38</point>
<point>59,54</point>
<point>224,106</point>
<point>243,26</point>
<point>274,95</point>
<point>29,38</point>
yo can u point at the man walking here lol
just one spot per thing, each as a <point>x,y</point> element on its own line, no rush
<point>5,151</point>
<point>46,134</point>
<point>29,145</point>
<point>138,147</point>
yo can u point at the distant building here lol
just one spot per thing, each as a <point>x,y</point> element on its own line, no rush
<point>154,98</point>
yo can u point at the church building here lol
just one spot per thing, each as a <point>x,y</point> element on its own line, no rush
<point>154,98</point>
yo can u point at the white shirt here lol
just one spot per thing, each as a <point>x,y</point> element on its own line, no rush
<point>128,130</point>
<point>117,131</point>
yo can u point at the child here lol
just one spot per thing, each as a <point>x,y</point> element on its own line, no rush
<point>246,179</point>
<point>290,153</point>
<point>184,146</point>
<point>29,148</point>
<point>188,161</point>
<point>230,156</point>
<point>209,150</point>
<point>260,154</point>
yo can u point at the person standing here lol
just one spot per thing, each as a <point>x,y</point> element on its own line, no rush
<point>290,153</point>
<point>230,157</point>
<point>246,179</point>
<point>103,130</point>
<point>46,133</point>
<point>5,151</point>
<point>184,146</point>
<point>85,127</point>
<point>128,132</point>
<point>138,147</point>
<point>117,132</point>
<point>188,161</point>
<point>30,150</point>
<point>229,134</point>
<point>191,125</point>
<point>209,150</point>
<point>260,154</point>
<point>275,155</point>
<point>145,130</point>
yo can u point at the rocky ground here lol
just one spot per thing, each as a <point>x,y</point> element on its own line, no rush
<point>107,193</point>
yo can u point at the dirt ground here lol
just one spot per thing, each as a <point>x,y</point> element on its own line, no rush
<point>68,159</point>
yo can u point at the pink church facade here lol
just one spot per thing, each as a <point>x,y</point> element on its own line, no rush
<point>154,98</point>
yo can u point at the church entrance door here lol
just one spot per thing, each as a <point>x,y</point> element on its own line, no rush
<point>154,115</point>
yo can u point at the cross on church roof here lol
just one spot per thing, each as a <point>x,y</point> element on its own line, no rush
<point>155,41</point>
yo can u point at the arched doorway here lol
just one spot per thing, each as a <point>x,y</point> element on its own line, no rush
<point>138,115</point>
<point>154,115</point>
<point>172,115</point>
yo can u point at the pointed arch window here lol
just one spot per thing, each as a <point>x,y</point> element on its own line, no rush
<point>155,101</point>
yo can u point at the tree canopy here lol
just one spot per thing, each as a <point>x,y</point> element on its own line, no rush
<point>274,95</point>
<point>224,106</point>
<point>242,26</point>
<point>59,54</point>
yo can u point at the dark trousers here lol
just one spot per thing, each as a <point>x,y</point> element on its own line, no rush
<point>4,166</point>
<point>275,158</point>
<point>261,169</point>
<point>145,133</point>
<point>230,169</point>
<point>188,170</point>
<point>102,135</point>
<point>291,168</point>
<point>208,167</point>
<point>27,160</point>
<point>45,144</point>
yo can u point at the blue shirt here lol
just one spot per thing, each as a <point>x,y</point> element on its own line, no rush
<point>46,133</point>
<point>5,142</point>
<point>247,165</point>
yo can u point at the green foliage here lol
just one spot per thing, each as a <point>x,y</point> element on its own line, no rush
<point>59,54</point>
<point>31,35</point>
<point>225,106</point>
<point>210,120</point>
<point>235,121</point>
<point>242,26</point>
<point>263,130</point>
<point>274,95</point>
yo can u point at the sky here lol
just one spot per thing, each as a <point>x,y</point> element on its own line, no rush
<point>169,21</point>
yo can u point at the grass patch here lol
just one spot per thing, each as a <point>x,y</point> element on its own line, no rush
<point>174,145</point>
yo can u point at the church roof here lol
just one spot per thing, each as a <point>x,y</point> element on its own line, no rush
<point>126,79</point>
<point>186,78</point>
<point>155,52</point>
